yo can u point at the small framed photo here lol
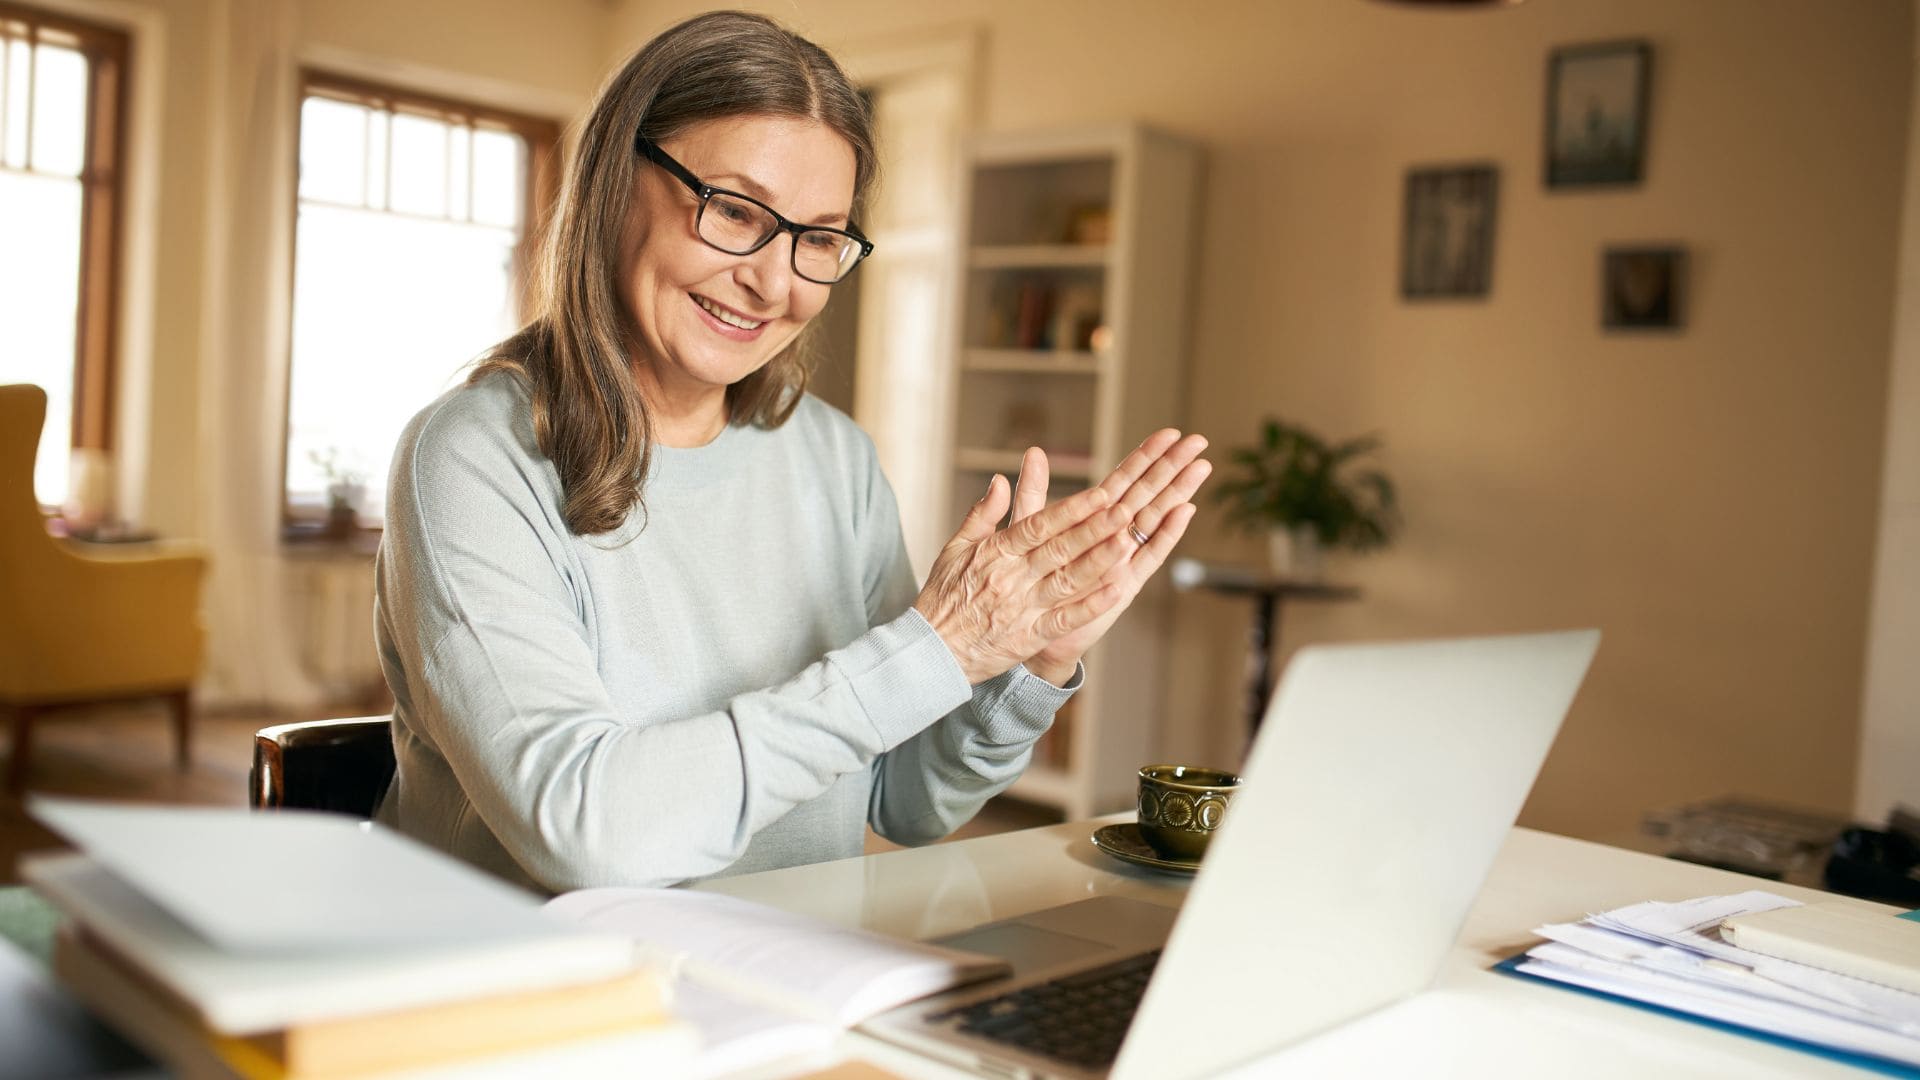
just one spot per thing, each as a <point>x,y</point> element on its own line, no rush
<point>1447,251</point>
<point>1643,288</point>
<point>1597,113</point>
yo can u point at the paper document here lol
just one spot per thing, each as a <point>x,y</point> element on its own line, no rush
<point>761,983</point>
<point>1673,955</point>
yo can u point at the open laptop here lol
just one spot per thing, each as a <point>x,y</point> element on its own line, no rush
<point>1381,786</point>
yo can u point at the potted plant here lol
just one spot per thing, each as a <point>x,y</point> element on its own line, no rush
<point>345,488</point>
<point>1308,496</point>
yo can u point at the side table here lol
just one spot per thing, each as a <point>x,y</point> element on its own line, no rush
<point>1263,634</point>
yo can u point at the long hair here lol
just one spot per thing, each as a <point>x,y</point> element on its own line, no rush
<point>588,417</point>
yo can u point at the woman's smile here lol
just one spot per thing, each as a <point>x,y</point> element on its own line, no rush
<point>727,322</point>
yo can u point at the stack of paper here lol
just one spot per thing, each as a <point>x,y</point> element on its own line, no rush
<point>294,945</point>
<point>1672,955</point>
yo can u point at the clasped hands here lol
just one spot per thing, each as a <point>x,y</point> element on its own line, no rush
<point>1042,590</point>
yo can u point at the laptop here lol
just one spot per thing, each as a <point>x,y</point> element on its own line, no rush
<point>1382,784</point>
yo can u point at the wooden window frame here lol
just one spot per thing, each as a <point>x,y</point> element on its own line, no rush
<point>302,526</point>
<point>102,179</point>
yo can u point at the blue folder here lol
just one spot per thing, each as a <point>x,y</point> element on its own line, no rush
<point>1883,1066</point>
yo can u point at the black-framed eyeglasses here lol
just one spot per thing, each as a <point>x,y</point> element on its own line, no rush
<point>739,225</point>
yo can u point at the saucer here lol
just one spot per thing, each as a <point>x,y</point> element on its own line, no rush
<point>1123,842</point>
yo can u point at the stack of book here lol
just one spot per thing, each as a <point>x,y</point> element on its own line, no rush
<point>286,945</point>
<point>1831,978</point>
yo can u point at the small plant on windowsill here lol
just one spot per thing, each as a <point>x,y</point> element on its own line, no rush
<point>1307,496</point>
<point>346,488</point>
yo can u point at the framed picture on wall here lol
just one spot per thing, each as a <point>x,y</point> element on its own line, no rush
<point>1597,113</point>
<point>1447,250</point>
<point>1643,288</point>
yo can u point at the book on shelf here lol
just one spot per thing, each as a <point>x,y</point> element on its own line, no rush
<point>1033,319</point>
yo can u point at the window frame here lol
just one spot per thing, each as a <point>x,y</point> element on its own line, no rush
<point>108,51</point>
<point>301,525</point>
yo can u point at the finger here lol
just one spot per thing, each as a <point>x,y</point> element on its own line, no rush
<point>1079,559</point>
<point>1181,490</point>
<point>984,515</point>
<point>1031,493</point>
<point>1135,464</point>
<point>1067,618</point>
<point>1163,472</point>
<point>1037,528</point>
<point>1172,528</point>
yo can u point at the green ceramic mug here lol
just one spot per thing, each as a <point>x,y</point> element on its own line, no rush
<point>1181,806</point>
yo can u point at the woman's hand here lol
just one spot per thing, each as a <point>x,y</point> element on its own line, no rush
<point>1153,488</point>
<point>998,596</point>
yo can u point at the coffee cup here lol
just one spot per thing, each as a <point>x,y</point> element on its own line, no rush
<point>1181,806</point>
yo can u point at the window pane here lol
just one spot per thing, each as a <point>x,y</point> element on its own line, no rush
<point>499,170</point>
<point>59,111</point>
<point>376,136</point>
<point>39,287</point>
<point>19,68</point>
<point>388,311</point>
<point>419,165</point>
<point>333,151</point>
<point>458,178</point>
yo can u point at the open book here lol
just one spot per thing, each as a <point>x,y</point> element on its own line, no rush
<point>759,982</point>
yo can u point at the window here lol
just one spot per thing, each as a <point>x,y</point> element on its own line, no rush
<point>61,98</point>
<point>411,242</point>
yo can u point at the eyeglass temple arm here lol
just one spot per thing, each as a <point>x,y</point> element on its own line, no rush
<point>652,152</point>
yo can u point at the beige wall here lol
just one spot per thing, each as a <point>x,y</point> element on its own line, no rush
<point>1890,720</point>
<point>1708,499</point>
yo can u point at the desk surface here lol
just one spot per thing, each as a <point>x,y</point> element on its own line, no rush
<point>1473,1023</point>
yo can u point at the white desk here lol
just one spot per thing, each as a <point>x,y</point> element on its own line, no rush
<point>1473,1023</point>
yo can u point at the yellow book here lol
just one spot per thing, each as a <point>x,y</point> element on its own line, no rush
<point>623,1021</point>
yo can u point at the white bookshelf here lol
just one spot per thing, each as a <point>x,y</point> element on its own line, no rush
<point>1072,338</point>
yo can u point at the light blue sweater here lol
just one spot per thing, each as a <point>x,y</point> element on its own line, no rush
<point>732,681</point>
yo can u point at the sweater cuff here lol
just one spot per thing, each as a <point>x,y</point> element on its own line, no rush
<point>904,677</point>
<point>1018,707</point>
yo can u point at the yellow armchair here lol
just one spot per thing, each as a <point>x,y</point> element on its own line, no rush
<point>83,628</point>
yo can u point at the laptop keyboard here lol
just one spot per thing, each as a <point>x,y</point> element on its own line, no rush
<point>1079,1018</point>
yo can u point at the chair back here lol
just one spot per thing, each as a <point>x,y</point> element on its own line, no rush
<point>340,765</point>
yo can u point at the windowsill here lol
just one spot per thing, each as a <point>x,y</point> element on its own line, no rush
<point>315,540</point>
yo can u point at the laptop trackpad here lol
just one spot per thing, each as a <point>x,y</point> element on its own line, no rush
<point>1070,933</point>
<point>1027,948</point>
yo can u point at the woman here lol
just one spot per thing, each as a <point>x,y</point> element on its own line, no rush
<point>643,604</point>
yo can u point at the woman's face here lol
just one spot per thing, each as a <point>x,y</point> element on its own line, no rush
<point>706,319</point>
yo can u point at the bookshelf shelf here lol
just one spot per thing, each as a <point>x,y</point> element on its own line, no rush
<point>1072,336</point>
<point>1064,465</point>
<point>1033,361</point>
<point>1037,256</point>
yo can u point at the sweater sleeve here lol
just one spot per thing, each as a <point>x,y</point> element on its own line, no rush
<point>502,681</point>
<point>936,781</point>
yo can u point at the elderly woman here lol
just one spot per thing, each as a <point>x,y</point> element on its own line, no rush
<point>643,603</point>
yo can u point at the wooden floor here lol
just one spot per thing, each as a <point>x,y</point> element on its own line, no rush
<point>126,753</point>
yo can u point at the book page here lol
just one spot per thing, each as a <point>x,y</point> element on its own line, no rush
<point>793,963</point>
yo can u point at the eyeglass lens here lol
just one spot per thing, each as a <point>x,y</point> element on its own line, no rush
<point>737,227</point>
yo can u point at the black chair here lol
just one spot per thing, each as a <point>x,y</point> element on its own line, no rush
<point>339,765</point>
